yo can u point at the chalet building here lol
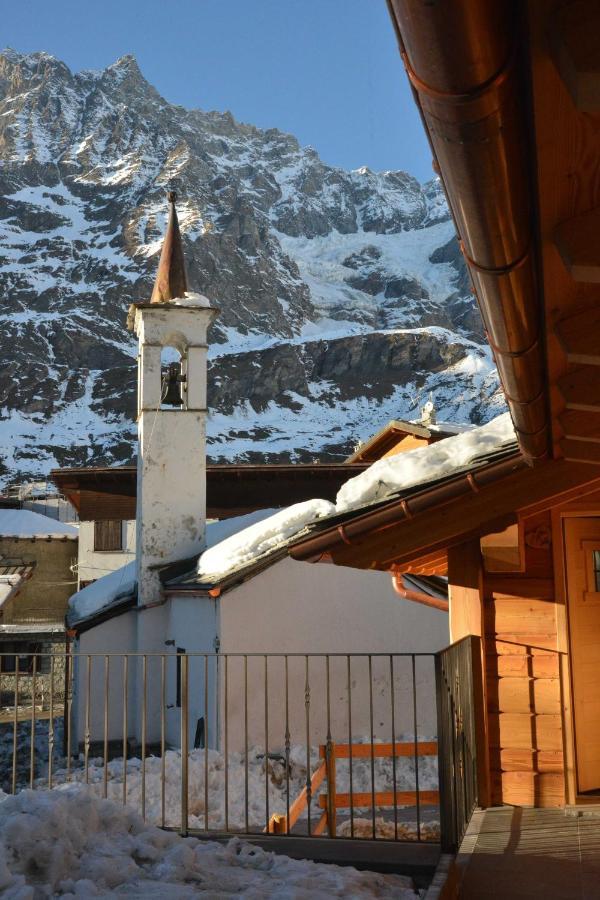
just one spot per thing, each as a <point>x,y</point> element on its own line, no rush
<point>398,436</point>
<point>510,98</point>
<point>37,555</point>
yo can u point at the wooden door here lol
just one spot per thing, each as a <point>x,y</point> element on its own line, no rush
<point>583,591</point>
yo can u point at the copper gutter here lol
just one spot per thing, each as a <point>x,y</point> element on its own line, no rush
<point>312,548</point>
<point>417,596</point>
<point>463,63</point>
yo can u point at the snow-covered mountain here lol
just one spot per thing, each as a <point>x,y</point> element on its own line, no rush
<point>344,300</point>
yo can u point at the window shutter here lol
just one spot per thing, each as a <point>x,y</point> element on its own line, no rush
<point>108,534</point>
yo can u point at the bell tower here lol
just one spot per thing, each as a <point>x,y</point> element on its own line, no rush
<point>171,473</point>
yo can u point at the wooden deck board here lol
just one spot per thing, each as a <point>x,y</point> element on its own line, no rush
<point>528,853</point>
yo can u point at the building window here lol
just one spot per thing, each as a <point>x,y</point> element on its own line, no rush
<point>27,654</point>
<point>108,534</point>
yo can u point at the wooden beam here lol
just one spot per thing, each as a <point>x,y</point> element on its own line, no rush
<point>454,522</point>
<point>465,580</point>
<point>581,389</point>
<point>382,798</point>
<point>579,336</point>
<point>576,52</point>
<point>577,243</point>
<point>365,751</point>
<point>581,451</point>
<point>580,425</point>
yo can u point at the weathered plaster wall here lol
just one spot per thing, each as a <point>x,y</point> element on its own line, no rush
<point>299,608</point>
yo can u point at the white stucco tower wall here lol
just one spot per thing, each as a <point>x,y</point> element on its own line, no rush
<point>171,473</point>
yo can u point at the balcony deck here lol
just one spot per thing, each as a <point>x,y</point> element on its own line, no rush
<point>516,853</point>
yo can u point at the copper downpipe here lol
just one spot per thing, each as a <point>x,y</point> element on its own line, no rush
<point>417,596</point>
<point>463,63</point>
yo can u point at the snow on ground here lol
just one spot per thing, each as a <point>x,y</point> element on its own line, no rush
<point>66,843</point>
<point>258,539</point>
<point>270,779</point>
<point>401,254</point>
<point>424,464</point>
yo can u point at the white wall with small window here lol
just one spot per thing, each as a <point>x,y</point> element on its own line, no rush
<point>104,545</point>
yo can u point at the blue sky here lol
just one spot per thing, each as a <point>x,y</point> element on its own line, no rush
<point>328,71</point>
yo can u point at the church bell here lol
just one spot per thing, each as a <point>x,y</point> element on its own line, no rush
<point>171,390</point>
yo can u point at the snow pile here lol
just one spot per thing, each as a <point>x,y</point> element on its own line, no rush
<point>264,778</point>
<point>405,470</point>
<point>22,523</point>
<point>19,751</point>
<point>104,592</point>
<point>70,844</point>
<point>251,543</point>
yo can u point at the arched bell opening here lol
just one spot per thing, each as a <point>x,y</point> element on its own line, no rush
<point>173,370</point>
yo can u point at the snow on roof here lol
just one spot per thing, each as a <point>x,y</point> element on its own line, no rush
<point>450,427</point>
<point>9,585</point>
<point>235,543</point>
<point>191,298</point>
<point>261,538</point>
<point>103,592</point>
<point>424,464</point>
<point>122,583</point>
<point>23,523</point>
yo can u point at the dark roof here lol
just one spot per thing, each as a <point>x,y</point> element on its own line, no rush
<point>16,566</point>
<point>107,492</point>
<point>182,577</point>
<point>432,585</point>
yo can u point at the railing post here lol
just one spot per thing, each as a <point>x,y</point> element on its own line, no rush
<point>445,787</point>
<point>481,748</point>
<point>331,788</point>
<point>184,744</point>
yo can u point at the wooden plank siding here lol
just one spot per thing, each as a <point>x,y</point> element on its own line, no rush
<point>523,678</point>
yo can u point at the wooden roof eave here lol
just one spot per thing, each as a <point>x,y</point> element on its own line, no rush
<point>430,522</point>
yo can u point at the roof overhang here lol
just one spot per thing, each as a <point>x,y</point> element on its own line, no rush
<point>428,521</point>
<point>106,492</point>
<point>509,94</point>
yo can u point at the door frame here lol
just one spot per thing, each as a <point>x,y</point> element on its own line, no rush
<point>582,509</point>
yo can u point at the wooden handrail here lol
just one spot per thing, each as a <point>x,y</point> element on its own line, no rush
<point>332,801</point>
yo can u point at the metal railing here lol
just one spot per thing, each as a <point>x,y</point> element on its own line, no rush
<point>458,672</point>
<point>293,744</point>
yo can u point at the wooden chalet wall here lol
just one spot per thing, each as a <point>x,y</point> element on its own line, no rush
<point>516,616</point>
<point>522,674</point>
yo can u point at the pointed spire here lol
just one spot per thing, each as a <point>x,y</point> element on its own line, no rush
<point>171,281</point>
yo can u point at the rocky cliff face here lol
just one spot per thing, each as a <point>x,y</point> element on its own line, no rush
<point>343,296</point>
